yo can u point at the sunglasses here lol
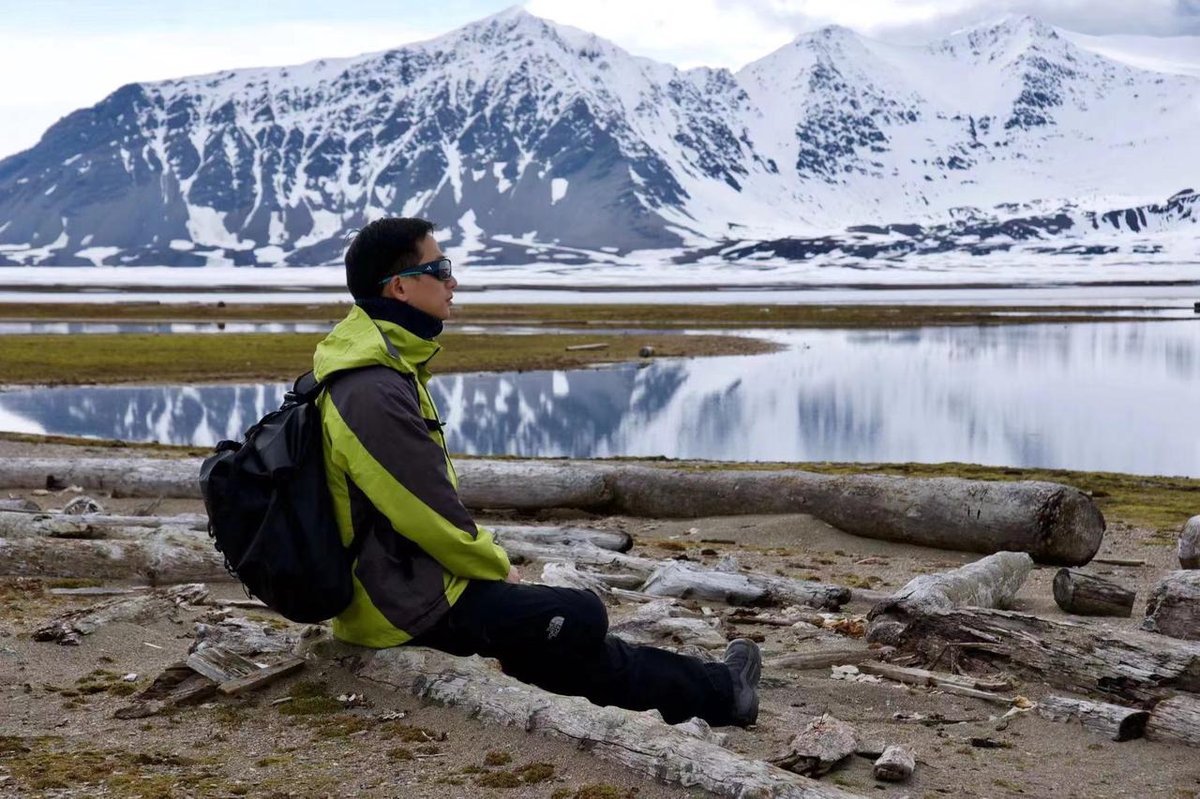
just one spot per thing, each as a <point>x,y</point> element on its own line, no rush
<point>441,269</point>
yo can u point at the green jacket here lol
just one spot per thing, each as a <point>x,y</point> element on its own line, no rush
<point>392,482</point>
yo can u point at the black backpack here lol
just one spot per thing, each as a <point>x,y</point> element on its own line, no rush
<point>270,514</point>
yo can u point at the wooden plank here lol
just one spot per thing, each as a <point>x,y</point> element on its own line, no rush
<point>913,676</point>
<point>1119,561</point>
<point>808,661</point>
<point>219,664</point>
<point>262,677</point>
<point>600,345</point>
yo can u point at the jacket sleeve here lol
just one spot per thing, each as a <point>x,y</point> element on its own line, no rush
<point>380,439</point>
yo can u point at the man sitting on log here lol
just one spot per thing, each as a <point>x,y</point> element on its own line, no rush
<point>426,574</point>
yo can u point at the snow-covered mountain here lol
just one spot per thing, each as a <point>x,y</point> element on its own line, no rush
<point>530,141</point>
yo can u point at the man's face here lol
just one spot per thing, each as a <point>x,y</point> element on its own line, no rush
<point>425,292</point>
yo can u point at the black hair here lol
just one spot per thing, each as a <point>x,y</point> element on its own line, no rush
<point>383,247</point>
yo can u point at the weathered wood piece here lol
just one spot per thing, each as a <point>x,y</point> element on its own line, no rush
<point>246,637</point>
<point>160,558</point>
<point>176,686</point>
<point>819,747</point>
<point>23,505</point>
<point>69,628</point>
<point>812,661</point>
<point>81,505</point>
<point>896,764</point>
<point>565,575</point>
<point>933,679</point>
<point>1114,722</point>
<point>986,583</point>
<point>1054,523</point>
<point>685,581</point>
<point>97,591</point>
<point>1174,606</point>
<point>1189,544</point>
<point>1132,562</point>
<point>563,536</point>
<point>1089,595</point>
<point>1128,665</point>
<point>1176,719</point>
<point>219,664</point>
<point>15,523</point>
<point>638,741</point>
<point>261,678</point>
<point>663,622</point>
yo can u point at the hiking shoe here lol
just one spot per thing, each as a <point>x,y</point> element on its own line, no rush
<point>745,665</point>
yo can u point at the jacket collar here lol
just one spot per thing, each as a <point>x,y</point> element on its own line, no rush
<point>417,322</point>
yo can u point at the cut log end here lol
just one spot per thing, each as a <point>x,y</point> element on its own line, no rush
<point>1089,595</point>
<point>1071,528</point>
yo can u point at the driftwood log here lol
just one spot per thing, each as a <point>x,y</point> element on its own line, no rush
<point>1176,719</point>
<point>1125,665</point>
<point>1114,722</point>
<point>678,579</point>
<point>662,622</point>
<point>1054,523</point>
<point>159,559</point>
<point>1089,595</point>
<point>641,742</point>
<point>991,582</point>
<point>1189,544</point>
<point>1174,606</point>
<point>69,628</point>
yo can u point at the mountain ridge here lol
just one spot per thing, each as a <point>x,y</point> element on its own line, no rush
<point>534,141</point>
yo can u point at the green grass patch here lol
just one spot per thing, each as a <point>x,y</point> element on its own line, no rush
<point>614,315</point>
<point>198,358</point>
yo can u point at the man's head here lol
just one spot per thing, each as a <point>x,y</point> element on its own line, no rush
<point>383,260</point>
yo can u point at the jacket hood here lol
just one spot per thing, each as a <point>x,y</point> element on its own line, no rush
<point>358,341</point>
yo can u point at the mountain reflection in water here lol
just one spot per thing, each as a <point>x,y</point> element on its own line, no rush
<point>1110,396</point>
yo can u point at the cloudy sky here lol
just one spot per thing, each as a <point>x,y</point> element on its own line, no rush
<point>60,55</point>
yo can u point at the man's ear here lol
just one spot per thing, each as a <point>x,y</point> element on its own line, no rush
<point>394,289</point>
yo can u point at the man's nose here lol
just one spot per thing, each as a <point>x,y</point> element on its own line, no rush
<point>452,283</point>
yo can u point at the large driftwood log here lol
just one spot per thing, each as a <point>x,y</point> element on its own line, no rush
<point>638,741</point>
<point>1126,665</point>
<point>159,559</point>
<point>124,477</point>
<point>1189,544</point>
<point>1089,595</point>
<point>1176,719</point>
<point>1174,606</point>
<point>20,523</point>
<point>990,582</point>
<point>1053,523</point>
<point>70,627</point>
<point>1114,722</point>
<point>17,524</point>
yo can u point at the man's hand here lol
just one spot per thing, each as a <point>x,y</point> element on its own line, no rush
<point>514,576</point>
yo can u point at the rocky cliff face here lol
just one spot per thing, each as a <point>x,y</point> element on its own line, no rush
<point>529,141</point>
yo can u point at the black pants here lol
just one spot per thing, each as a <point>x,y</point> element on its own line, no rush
<point>557,639</point>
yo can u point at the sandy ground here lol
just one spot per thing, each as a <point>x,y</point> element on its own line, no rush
<point>249,747</point>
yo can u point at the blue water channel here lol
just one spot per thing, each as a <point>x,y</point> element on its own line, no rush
<point>1115,396</point>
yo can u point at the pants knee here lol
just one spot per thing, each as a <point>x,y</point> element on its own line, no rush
<point>584,619</point>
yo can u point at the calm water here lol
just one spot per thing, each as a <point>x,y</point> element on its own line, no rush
<point>1110,396</point>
